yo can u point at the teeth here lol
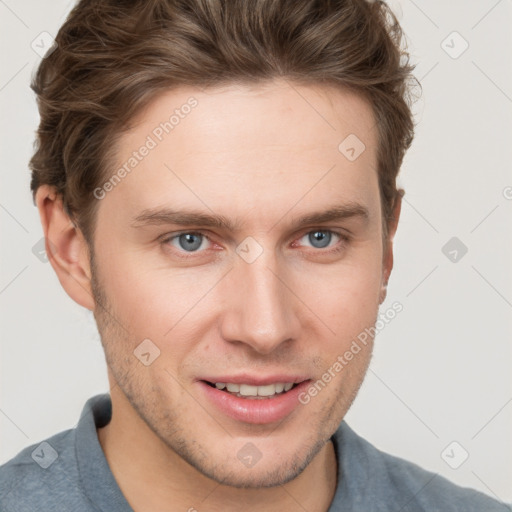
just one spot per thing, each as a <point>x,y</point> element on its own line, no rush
<point>268,390</point>
<point>248,390</point>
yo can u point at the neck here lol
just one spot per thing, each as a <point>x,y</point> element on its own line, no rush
<point>151,476</point>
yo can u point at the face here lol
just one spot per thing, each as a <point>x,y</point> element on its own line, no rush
<point>246,250</point>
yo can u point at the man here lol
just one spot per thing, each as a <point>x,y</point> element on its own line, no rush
<point>216,182</point>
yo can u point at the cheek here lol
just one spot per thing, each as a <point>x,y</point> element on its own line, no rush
<point>148,307</point>
<point>345,296</point>
<point>161,304</point>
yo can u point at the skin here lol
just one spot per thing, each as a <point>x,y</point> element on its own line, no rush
<point>263,156</point>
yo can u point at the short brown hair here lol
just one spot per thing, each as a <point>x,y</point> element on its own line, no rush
<point>113,57</point>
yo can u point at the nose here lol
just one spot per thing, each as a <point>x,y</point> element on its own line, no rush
<point>261,311</point>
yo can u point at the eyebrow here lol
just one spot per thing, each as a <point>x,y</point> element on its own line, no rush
<point>164,216</point>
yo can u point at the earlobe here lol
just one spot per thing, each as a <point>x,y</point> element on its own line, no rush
<point>66,247</point>
<point>387,266</point>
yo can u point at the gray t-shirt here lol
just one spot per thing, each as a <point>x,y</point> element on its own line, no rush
<point>69,472</point>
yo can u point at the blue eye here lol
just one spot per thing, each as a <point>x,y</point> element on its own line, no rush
<point>189,242</point>
<point>321,238</point>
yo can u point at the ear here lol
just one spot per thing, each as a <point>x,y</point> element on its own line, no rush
<point>65,246</point>
<point>387,260</point>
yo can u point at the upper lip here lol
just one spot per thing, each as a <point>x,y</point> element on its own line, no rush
<point>256,380</point>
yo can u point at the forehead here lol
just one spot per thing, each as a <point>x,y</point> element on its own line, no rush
<point>259,145</point>
<point>257,116</point>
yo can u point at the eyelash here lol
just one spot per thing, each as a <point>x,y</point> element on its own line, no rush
<point>344,240</point>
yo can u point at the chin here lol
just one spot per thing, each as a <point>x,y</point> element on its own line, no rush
<point>253,478</point>
<point>268,473</point>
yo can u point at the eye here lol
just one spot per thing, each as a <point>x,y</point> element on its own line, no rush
<point>322,238</point>
<point>189,241</point>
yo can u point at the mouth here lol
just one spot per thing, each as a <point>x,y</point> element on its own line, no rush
<point>253,392</point>
<point>259,401</point>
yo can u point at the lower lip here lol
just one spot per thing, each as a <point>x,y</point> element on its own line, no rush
<point>257,411</point>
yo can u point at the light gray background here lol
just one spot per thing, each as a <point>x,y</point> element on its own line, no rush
<point>441,370</point>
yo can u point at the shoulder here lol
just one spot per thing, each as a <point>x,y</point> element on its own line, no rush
<point>429,491</point>
<point>42,472</point>
<point>394,481</point>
